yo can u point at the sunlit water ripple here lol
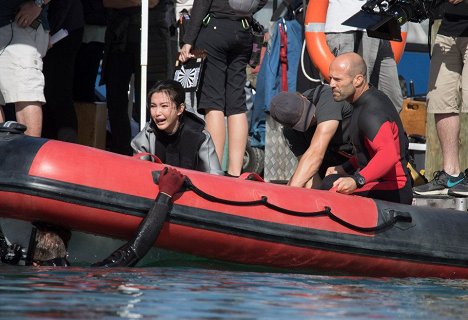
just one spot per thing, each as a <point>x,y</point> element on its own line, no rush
<point>182,292</point>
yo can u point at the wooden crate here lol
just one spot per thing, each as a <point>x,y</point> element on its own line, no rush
<point>414,117</point>
<point>92,119</point>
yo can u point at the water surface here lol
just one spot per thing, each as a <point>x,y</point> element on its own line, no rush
<point>207,292</point>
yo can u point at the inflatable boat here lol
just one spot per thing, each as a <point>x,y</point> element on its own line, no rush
<point>242,220</point>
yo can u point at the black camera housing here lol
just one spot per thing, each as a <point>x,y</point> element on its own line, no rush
<point>384,18</point>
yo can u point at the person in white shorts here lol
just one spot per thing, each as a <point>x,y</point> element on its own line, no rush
<point>24,40</point>
<point>382,70</point>
<point>448,98</point>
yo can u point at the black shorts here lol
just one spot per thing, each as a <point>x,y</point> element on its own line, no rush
<point>229,46</point>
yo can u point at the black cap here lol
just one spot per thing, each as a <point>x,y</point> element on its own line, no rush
<point>292,110</point>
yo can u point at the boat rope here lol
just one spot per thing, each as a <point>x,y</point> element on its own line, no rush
<point>394,215</point>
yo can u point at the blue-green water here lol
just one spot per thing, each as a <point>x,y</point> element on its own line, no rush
<point>185,292</point>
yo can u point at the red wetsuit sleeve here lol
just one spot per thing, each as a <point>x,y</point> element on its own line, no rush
<point>384,152</point>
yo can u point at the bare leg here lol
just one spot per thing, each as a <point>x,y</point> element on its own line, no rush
<point>216,127</point>
<point>30,114</point>
<point>238,130</point>
<point>2,115</point>
<point>448,129</point>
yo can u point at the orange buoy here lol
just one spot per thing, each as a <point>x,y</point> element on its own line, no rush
<point>316,40</point>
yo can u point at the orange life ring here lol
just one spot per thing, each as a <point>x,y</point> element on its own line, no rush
<point>316,40</point>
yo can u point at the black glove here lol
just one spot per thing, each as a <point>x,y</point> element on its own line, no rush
<point>12,254</point>
<point>170,181</point>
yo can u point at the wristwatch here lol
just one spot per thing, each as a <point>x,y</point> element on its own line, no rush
<point>360,181</point>
<point>40,3</point>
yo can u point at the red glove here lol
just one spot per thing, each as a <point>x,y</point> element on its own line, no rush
<point>170,181</point>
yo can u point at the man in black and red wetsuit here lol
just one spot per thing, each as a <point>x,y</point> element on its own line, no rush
<point>378,168</point>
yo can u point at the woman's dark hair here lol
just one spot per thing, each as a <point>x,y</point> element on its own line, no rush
<point>172,88</point>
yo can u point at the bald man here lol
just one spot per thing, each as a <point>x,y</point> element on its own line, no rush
<point>378,167</point>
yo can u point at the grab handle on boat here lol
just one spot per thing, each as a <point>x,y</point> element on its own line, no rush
<point>157,173</point>
<point>401,216</point>
<point>251,176</point>
<point>142,154</point>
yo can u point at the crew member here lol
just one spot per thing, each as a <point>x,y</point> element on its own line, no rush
<point>317,130</point>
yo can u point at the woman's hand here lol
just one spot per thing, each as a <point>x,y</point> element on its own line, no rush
<point>185,54</point>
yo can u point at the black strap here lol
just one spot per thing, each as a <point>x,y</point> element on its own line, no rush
<point>316,95</point>
<point>358,42</point>
<point>31,247</point>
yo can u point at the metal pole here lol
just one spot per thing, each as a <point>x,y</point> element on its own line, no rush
<point>143,61</point>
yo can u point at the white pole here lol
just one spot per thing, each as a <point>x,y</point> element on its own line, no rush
<point>143,61</point>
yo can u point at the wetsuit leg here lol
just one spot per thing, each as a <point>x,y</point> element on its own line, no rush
<point>378,190</point>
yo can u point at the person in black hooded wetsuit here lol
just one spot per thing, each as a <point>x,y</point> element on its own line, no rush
<point>378,168</point>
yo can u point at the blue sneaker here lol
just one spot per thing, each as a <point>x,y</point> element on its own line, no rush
<point>461,189</point>
<point>440,185</point>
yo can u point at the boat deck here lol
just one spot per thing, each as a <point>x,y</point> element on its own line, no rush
<point>445,202</point>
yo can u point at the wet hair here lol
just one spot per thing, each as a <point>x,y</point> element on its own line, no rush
<point>49,245</point>
<point>172,88</point>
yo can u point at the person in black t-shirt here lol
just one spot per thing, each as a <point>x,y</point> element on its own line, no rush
<point>317,129</point>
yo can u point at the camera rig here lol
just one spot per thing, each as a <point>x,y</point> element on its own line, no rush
<point>383,18</point>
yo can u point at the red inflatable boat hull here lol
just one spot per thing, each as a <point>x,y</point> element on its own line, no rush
<point>99,192</point>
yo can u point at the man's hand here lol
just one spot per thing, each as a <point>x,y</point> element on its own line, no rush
<point>306,173</point>
<point>27,13</point>
<point>345,185</point>
<point>455,1</point>
<point>170,181</point>
<point>335,170</point>
<point>185,54</point>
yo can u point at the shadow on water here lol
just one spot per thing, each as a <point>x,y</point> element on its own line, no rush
<point>86,249</point>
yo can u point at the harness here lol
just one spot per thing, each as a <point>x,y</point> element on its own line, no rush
<point>283,56</point>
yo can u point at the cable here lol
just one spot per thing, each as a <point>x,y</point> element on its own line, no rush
<point>303,68</point>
